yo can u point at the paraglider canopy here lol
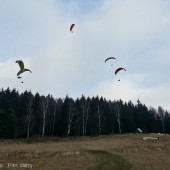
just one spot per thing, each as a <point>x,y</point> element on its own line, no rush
<point>71,27</point>
<point>21,64</point>
<point>109,58</point>
<point>22,69</point>
<point>120,68</point>
<point>150,138</point>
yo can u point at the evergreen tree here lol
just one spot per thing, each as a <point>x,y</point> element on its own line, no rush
<point>37,118</point>
<point>25,115</point>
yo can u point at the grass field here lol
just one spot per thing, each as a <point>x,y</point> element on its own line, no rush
<point>114,152</point>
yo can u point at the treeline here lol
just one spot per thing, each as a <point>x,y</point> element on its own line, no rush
<point>26,115</point>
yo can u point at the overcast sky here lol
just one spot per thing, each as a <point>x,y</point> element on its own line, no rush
<point>135,32</point>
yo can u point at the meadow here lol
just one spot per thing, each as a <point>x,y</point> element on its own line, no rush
<point>117,152</point>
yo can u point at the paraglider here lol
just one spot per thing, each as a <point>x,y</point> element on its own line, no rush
<point>109,58</point>
<point>22,69</point>
<point>118,69</point>
<point>71,27</point>
<point>150,138</point>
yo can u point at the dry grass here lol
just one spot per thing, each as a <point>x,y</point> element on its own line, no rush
<point>71,153</point>
<point>48,160</point>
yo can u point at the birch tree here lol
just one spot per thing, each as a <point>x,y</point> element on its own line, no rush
<point>29,116</point>
<point>70,115</point>
<point>54,117</point>
<point>99,118</point>
<point>117,110</point>
<point>44,105</point>
<point>26,102</point>
<point>85,114</point>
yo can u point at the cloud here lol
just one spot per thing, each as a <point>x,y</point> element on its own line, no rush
<point>133,87</point>
<point>137,33</point>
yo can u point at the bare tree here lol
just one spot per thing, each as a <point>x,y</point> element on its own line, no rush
<point>85,108</point>
<point>111,107</point>
<point>44,105</point>
<point>54,115</point>
<point>86,116</point>
<point>117,110</point>
<point>99,118</point>
<point>85,112</point>
<point>29,117</point>
<point>70,117</point>
<point>29,110</point>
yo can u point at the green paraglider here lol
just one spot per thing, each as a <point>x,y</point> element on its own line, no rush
<point>150,138</point>
<point>22,69</point>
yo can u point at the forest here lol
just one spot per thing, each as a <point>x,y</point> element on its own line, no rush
<point>27,116</point>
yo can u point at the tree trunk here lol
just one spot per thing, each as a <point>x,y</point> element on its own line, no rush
<point>83,119</point>
<point>44,109</point>
<point>70,119</point>
<point>99,118</point>
<point>44,121</point>
<point>86,118</point>
<point>54,120</point>
<point>28,130</point>
<point>118,117</point>
<point>29,117</point>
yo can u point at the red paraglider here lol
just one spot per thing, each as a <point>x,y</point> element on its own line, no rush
<point>71,27</point>
<point>117,70</point>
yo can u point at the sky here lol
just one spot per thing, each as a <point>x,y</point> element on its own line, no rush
<point>135,32</point>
